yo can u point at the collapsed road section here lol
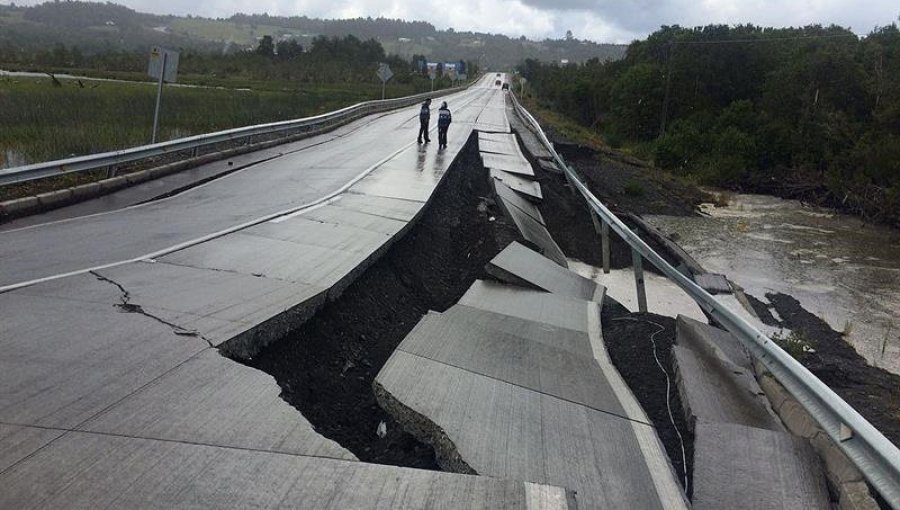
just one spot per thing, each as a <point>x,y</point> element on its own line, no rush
<point>114,392</point>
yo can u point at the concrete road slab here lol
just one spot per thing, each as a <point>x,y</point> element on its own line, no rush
<point>569,340</point>
<point>535,233</point>
<point>500,429</point>
<point>530,189</point>
<point>520,265</point>
<point>528,304</point>
<point>99,471</point>
<point>18,442</point>
<point>517,165</point>
<point>333,236</point>
<point>64,361</point>
<point>375,214</point>
<point>532,365</point>
<point>498,147</point>
<point>716,391</point>
<point>215,401</point>
<point>294,262</point>
<point>503,138</point>
<point>507,197</point>
<point>703,338</point>
<point>744,467</point>
<point>205,293</point>
<point>412,174</point>
<point>493,117</point>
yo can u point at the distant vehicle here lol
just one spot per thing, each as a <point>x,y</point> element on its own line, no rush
<point>497,83</point>
<point>498,75</point>
<point>506,86</point>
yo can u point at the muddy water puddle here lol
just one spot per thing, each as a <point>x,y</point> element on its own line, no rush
<point>840,268</point>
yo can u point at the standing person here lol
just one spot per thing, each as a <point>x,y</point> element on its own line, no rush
<point>444,120</point>
<point>424,117</point>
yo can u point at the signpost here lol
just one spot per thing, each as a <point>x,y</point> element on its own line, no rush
<point>432,73</point>
<point>164,67</point>
<point>384,72</point>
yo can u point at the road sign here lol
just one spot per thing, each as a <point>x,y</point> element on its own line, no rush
<point>384,72</point>
<point>160,57</point>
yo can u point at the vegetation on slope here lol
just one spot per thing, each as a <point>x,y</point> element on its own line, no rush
<point>812,113</point>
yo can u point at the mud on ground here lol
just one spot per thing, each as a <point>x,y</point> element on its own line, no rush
<point>630,339</point>
<point>326,367</point>
<point>873,392</point>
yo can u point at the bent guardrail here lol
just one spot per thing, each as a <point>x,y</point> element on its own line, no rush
<point>872,453</point>
<point>117,158</point>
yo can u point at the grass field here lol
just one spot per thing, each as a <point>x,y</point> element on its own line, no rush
<point>41,122</point>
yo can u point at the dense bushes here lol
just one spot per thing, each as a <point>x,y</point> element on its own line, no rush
<point>811,112</point>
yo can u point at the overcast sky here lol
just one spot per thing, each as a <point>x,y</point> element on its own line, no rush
<point>619,21</point>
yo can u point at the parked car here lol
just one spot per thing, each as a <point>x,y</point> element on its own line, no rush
<point>506,86</point>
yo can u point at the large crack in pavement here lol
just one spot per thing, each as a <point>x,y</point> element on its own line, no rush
<point>126,306</point>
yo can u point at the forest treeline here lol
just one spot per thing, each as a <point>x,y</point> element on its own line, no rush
<point>328,60</point>
<point>811,113</point>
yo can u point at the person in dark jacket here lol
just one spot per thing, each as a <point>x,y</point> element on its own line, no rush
<point>424,117</point>
<point>444,120</point>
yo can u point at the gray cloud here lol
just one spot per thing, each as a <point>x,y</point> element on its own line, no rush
<point>602,20</point>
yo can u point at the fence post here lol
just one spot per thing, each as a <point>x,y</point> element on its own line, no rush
<point>639,280</point>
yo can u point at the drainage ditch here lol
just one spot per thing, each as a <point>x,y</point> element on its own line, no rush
<point>326,367</point>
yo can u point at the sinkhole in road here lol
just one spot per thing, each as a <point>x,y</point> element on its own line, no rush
<point>326,367</point>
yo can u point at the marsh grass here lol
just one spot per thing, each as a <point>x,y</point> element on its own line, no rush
<point>40,121</point>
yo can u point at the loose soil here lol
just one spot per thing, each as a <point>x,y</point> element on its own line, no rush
<point>627,187</point>
<point>628,339</point>
<point>326,367</point>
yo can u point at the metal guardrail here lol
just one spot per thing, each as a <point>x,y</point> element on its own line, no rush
<point>111,160</point>
<point>872,453</point>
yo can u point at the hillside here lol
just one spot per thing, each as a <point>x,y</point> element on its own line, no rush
<point>106,27</point>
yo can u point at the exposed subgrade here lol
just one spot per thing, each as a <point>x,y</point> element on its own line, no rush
<point>327,366</point>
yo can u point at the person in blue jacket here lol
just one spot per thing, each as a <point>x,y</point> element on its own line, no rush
<point>444,120</point>
<point>424,117</point>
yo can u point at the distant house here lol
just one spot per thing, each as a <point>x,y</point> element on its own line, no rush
<point>564,61</point>
<point>110,23</point>
<point>404,39</point>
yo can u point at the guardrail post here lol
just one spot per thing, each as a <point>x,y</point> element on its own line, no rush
<point>604,245</point>
<point>602,228</point>
<point>111,171</point>
<point>569,178</point>
<point>639,280</point>
<point>195,152</point>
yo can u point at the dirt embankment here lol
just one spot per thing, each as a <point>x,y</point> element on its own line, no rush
<point>872,391</point>
<point>326,368</point>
